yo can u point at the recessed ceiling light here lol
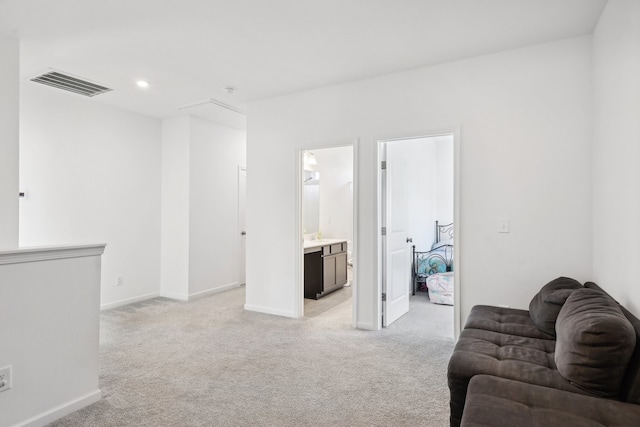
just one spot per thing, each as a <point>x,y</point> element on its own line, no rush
<point>142,83</point>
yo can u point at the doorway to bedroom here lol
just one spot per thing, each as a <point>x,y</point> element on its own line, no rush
<point>416,212</point>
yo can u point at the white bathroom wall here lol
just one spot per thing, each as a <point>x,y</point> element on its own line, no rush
<point>335,166</point>
<point>616,152</point>
<point>525,150</point>
<point>92,174</point>
<point>9,125</point>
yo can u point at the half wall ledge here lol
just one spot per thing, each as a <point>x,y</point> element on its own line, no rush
<point>44,253</point>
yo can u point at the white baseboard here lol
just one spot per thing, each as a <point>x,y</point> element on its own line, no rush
<point>268,310</point>
<point>127,301</point>
<point>367,326</point>
<point>206,292</point>
<point>180,297</point>
<point>60,411</point>
<point>171,295</point>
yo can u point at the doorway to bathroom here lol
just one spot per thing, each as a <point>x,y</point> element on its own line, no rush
<point>327,233</point>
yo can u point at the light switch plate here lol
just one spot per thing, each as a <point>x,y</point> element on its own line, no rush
<point>503,225</point>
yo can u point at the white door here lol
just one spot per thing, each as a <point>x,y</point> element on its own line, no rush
<point>242,191</point>
<point>397,263</point>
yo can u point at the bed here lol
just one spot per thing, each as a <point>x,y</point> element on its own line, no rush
<point>437,262</point>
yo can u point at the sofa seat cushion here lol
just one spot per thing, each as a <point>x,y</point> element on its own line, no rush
<point>524,359</point>
<point>499,402</point>
<point>595,342</point>
<point>505,321</point>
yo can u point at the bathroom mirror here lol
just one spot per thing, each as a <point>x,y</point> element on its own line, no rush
<point>311,209</point>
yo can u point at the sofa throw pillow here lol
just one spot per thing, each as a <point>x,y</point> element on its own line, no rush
<point>546,304</point>
<point>594,342</point>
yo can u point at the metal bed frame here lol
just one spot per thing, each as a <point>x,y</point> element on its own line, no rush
<point>433,258</point>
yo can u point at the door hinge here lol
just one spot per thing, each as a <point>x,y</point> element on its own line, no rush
<point>384,296</point>
<point>383,164</point>
<point>384,231</point>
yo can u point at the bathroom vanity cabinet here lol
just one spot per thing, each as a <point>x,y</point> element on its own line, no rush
<point>325,267</point>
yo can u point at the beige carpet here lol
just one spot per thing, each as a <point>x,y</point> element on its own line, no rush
<point>210,363</point>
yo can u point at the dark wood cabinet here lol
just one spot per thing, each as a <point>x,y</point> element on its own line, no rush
<point>312,274</point>
<point>325,269</point>
<point>334,270</point>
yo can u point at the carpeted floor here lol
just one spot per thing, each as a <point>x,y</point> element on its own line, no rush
<point>210,363</point>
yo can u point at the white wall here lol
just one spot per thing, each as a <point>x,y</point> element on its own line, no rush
<point>174,274</point>
<point>525,128</point>
<point>335,166</point>
<point>49,332</point>
<point>420,155</point>
<point>9,102</point>
<point>214,234</point>
<point>200,234</point>
<point>445,190</point>
<point>616,153</point>
<point>95,173</point>
<point>92,174</point>
<point>430,170</point>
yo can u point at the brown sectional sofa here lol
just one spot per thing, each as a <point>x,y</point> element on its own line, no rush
<point>511,367</point>
<point>493,401</point>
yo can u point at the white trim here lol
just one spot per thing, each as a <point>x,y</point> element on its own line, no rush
<point>242,272</point>
<point>215,290</point>
<point>180,297</point>
<point>355,253</point>
<point>45,253</point>
<point>213,101</point>
<point>457,232</point>
<point>171,295</point>
<point>199,294</point>
<point>268,310</point>
<point>367,326</point>
<point>377,295</point>
<point>298,256</point>
<point>60,411</point>
<point>128,301</point>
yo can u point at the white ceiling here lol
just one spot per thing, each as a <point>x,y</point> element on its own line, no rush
<point>189,50</point>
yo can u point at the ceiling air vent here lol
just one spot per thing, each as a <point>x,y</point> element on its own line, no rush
<point>70,83</point>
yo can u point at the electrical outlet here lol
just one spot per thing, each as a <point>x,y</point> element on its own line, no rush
<point>5,378</point>
<point>119,281</point>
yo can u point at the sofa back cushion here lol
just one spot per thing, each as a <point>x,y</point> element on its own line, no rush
<point>594,342</point>
<point>546,304</point>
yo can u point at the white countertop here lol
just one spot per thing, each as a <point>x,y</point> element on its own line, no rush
<point>308,244</point>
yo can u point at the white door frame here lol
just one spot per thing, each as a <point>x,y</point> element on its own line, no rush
<point>298,257</point>
<point>456,219</point>
<point>241,237</point>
